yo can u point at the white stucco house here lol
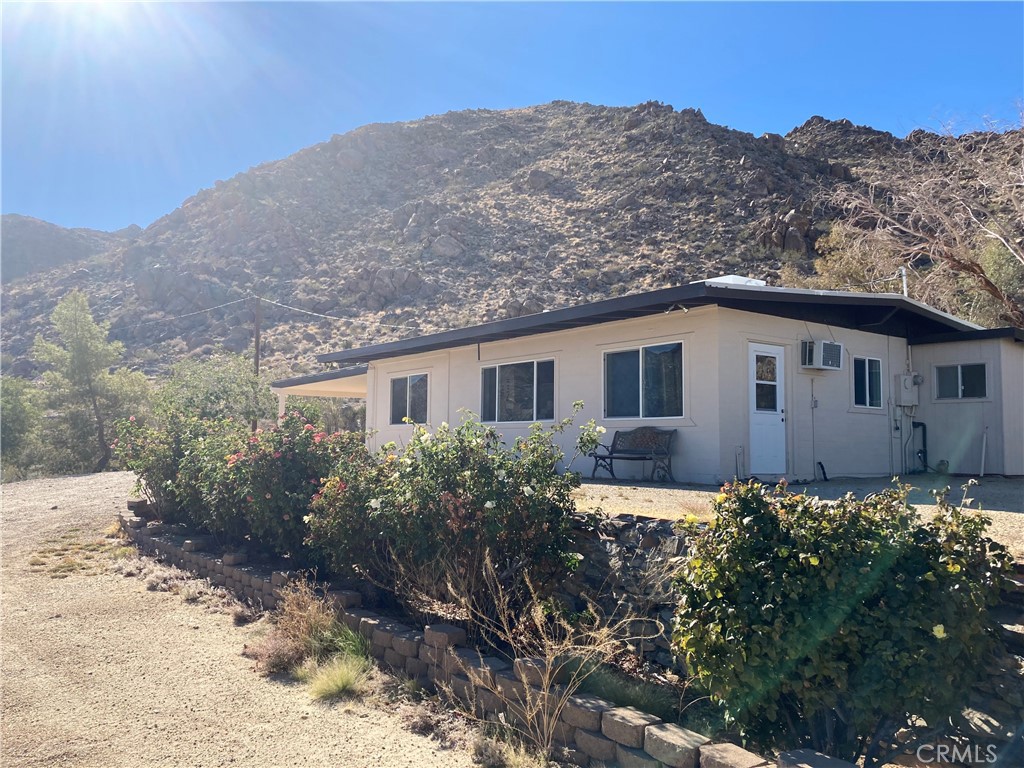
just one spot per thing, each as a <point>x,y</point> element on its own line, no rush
<point>756,381</point>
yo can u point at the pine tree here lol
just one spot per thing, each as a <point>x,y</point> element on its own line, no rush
<point>81,387</point>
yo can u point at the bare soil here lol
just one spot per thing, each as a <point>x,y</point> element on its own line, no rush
<point>1000,498</point>
<point>98,671</point>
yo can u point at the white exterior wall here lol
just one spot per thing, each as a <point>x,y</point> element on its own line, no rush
<point>850,441</point>
<point>713,438</point>
<point>1013,407</point>
<point>454,384</point>
<point>957,428</point>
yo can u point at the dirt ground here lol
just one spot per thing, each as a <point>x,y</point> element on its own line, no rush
<point>1000,498</point>
<point>98,671</point>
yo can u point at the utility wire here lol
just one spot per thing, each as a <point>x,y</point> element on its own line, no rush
<point>346,319</point>
<point>269,301</point>
<point>179,317</point>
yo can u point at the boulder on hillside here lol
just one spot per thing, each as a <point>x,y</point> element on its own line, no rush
<point>794,241</point>
<point>446,247</point>
<point>538,180</point>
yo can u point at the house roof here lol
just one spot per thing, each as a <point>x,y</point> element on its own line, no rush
<point>1009,332</point>
<point>884,313</point>
<point>343,382</point>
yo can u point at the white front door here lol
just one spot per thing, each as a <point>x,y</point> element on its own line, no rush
<point>767,410</point>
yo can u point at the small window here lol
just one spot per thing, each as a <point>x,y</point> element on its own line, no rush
<point>518,392</point>
<point>644,383</point>
<point>409,399</point>
<point>867,382</point>
<point>955,382</point>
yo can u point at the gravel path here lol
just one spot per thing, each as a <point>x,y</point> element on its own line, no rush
<point>97,671</point>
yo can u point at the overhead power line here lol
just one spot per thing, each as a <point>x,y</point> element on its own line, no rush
<point>340,319</point>
<point>180,317</point>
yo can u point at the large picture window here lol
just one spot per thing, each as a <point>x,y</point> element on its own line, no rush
<point>409,399</point>
<point>518,391</point>
<point>954,382</point>
<point>646,382</point>
<point>867,382</point>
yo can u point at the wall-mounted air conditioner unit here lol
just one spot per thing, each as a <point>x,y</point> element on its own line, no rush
<point>823,355</point>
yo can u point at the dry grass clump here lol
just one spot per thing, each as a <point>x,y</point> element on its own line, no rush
<point>305,628</point>
<point>431,718</point>
<point>158,577</point>
<point>498,752</point>
<point>344,675</point>
<point>71,554</point>
<point>562,652</point>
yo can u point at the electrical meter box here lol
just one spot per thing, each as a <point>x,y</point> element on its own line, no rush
<point>907,390</point>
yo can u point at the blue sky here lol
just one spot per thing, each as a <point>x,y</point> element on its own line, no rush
<point>113,114</point>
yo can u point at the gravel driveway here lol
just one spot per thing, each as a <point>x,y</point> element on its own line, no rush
<point>97,671</point>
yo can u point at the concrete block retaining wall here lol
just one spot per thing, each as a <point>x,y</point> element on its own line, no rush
<point>593,731</point>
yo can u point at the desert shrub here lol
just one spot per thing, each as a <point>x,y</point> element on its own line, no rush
<point>223,386</point>
<point>418,521</point>
<point>837,624</point>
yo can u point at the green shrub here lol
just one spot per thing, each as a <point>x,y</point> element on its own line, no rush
<point>837,624</point>
<point>223,386</point>
<point>423,522</point>
<point>275,475</point>
<point>239,486</point>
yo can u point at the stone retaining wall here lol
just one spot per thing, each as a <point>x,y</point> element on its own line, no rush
<point>627,565</point>
<point>592,731</point>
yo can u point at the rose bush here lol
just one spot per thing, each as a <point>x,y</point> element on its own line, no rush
<point>241,487</point>
<point>422,522</point>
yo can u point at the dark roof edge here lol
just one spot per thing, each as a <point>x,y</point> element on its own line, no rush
<point>694,294</point>
<point>1007,332</point>
<point>517,325</point>
<point>316,378</point>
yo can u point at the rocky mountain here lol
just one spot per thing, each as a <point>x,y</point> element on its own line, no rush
<point>30,245</point>
<point>398,229</point>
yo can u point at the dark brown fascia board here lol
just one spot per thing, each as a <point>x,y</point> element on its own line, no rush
<point>744,297</point>
<point>1007,332</point>
<point>316,378</point>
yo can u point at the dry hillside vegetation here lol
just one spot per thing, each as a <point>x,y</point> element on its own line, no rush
<point>404,228</point>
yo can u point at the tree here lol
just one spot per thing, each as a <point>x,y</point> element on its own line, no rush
<point>222,386</point>
<point>952,213</point>
<point>81,390</point>
<point>19,421</point>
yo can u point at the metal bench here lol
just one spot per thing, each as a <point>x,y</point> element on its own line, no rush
<point>641,444</point>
